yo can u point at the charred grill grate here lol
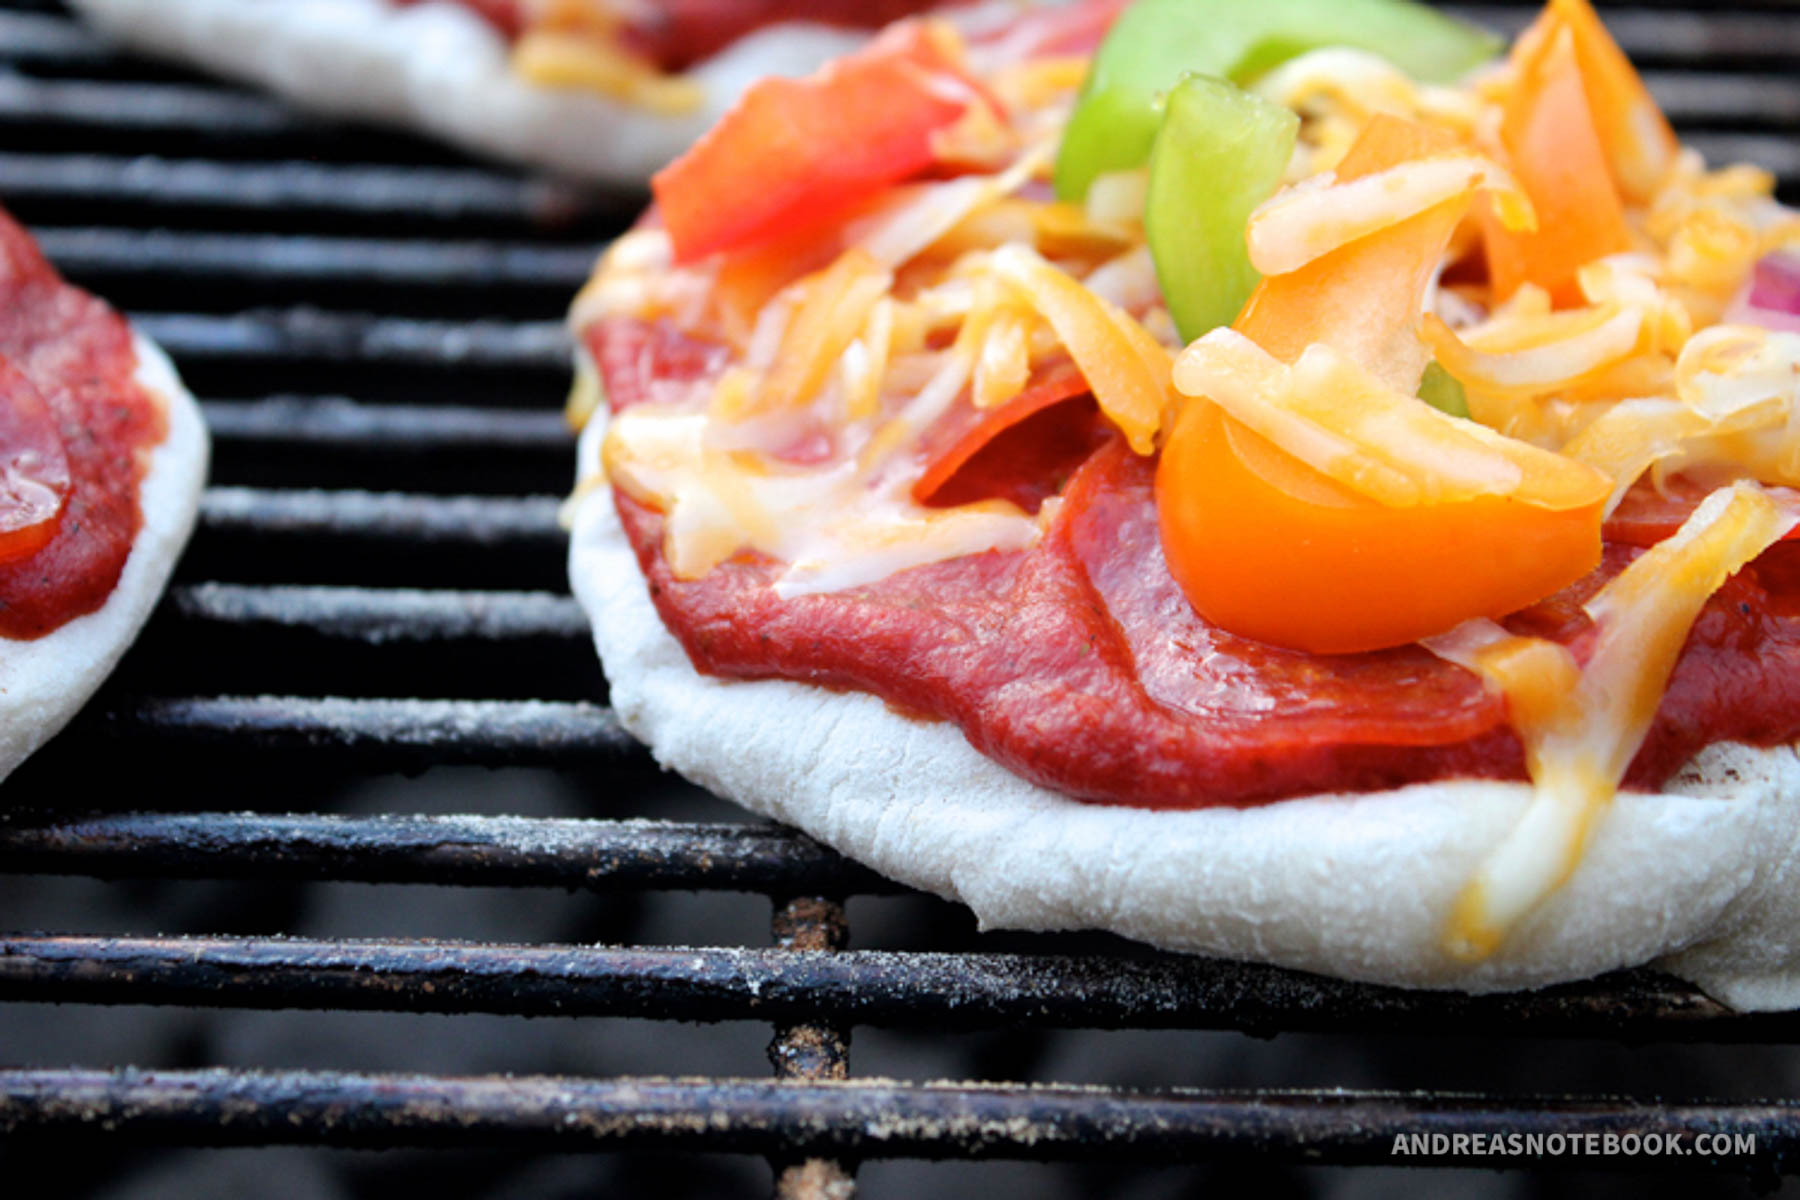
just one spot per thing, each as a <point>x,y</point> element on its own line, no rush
<point>333,297</point>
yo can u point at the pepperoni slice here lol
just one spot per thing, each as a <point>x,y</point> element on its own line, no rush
<point>34,467</point>
<point>1021,450</point>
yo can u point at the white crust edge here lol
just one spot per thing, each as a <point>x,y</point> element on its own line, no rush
<point>1701,876</point>
<point>439,69</point>
<point>45,681</point>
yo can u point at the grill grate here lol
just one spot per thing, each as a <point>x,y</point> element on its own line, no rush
<point>333,296</point>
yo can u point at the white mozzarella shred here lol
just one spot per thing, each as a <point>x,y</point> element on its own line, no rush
<point>1541,367</point>
<point>1728,370</point>
<point>1127,280</point>
<point>1582,724</point>
<point>837,557</point>
<point>1300,224</point>
<point>1632,437</point>
<point>922,214</point>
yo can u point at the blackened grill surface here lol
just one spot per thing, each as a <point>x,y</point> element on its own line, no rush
<point>376,591</point>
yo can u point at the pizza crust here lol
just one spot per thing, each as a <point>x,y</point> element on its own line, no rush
<point>1701,876</point>
<point>45,681</point>
<point>439,69</point>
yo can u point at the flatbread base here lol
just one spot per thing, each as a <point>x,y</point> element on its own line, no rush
<point>439,69</point>
<point>45,681</point>
<point>1700,877</point>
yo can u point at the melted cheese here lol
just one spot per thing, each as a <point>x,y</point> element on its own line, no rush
<point>830,527</point>
<point>1581,725</point>
<point>1736,409</point>
<point>1558,349</point>
<point>555,58</point>
<point>1395,449</point>
<point>1310,220</point>
<point>1128,369</point>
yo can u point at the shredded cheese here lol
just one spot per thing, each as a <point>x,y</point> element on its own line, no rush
<point>1305,222</point>
<point>562,59</point>
<point>1581,724</point>
<point>1127,368</point>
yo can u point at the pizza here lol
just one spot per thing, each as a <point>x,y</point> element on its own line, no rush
<point>1290,483</point>
<point>604,90</point>
<point>104,456</point>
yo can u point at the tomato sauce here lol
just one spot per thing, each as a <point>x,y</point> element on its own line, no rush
<point>1079,665</point>
<point>77,354</point>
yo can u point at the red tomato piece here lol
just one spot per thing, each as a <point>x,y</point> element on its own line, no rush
<point>793,151</point>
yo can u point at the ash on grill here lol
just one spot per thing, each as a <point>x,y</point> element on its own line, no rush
<point>377,590</point>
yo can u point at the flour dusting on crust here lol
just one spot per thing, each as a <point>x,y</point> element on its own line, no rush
<point>1700,876</point>
<point>45,681</point>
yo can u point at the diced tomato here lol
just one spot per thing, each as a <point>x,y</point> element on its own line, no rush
<point>794,151</point>
<point>1020,451</point>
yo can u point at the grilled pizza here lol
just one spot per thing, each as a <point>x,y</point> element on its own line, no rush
<point>104,455</point>
<point>1285,483</point>
<point>605,90</point>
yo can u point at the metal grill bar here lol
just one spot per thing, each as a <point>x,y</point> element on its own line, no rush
<point>318,336</point>
<point>337,422</point>
<point>1779,155</point>
<point>807,985</point>
<point>482,732</point>
<point>1698,97</point>
<point>812,1049</point>
<point>1650,36</point>
<point>874,987</point>
<point>1644,33</point>
<point>1687,97</point>
<point>480,520</point>
<point>377,617</point>
<point>856,1119</point>
<point>141,106</point>
<point>31,37</point>
<point>461,850</point>
<point>287,189</point>
<point>305,258</point>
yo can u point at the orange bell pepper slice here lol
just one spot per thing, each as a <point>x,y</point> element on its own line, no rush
<point>1554,146</point>
<point>1639,143</point>
<point>1363,298</point>
<point>1268,547</point>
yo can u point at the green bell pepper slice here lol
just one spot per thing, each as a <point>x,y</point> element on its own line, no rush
<point>1443,391</point>
<point>1155,42</point>
<point>1220,152</point>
